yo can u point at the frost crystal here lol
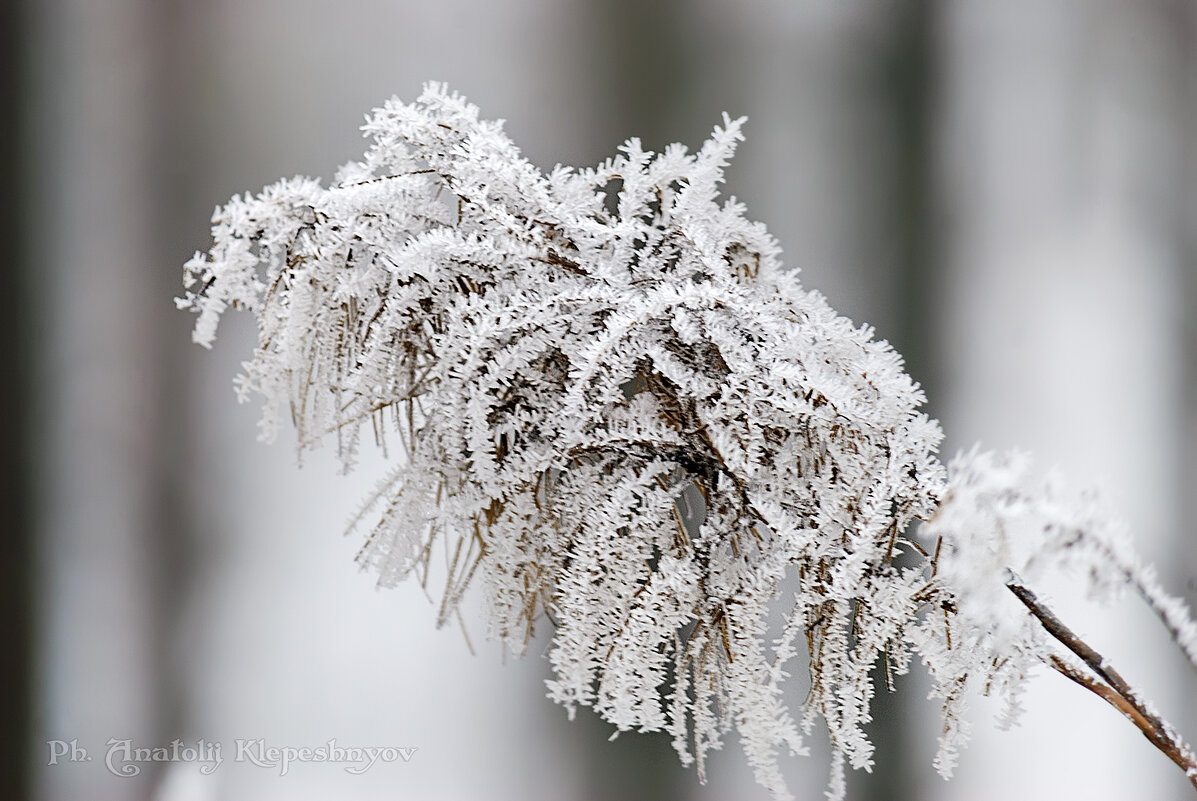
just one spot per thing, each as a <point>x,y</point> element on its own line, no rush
<point>620,416</point>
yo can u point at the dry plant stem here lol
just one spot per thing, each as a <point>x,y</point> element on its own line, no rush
<point>1112,688</point>
<point>564,373</point>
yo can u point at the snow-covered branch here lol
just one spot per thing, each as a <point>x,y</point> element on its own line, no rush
<point>617,412</point>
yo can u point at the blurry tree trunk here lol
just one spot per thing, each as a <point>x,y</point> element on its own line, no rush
<point>17,403</point>
<point>642,74</point>
<point>903,89</point>
<point>110,444</point>
<point>1183,570</point>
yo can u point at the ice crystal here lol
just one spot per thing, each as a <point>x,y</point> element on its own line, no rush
<point>623,418</point>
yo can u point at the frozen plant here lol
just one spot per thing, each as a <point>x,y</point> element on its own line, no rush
<point>619,415</point>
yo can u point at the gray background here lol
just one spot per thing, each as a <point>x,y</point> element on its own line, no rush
<point>1005,190</point>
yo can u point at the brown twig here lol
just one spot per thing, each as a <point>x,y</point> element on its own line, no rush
<point>1111,687</point>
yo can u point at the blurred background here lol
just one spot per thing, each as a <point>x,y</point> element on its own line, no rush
<point>1007,191</point>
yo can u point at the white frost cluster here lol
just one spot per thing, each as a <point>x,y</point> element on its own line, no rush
<point>999,525</point>
<point>621,417</point>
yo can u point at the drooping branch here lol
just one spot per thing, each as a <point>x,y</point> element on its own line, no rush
<point>562,371</point>
<point>1109,684</point>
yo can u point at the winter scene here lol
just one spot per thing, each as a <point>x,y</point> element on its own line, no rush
<point>604,400</point>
